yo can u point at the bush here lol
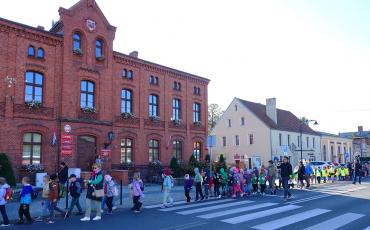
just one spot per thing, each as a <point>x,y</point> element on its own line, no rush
<point>175,167</point>
<point>6,169</point>
<point>220,164</point>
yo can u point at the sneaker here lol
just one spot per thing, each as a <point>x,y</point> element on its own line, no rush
<point>39,219</point>
<point>114,207</point>
<point>5,225</point>
<point>290,197</point>
<point>136,211</point>
<point>219,197</point>
<point>86,219</point>
<point>97,218</point>
<point>50,222</point>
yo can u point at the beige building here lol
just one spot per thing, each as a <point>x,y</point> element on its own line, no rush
<point>335,148</point>
<point>254,133</point>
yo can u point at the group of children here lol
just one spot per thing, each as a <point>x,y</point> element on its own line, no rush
<point>51,193</point>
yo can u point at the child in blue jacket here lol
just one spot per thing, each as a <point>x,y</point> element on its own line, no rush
<point>26,200</point>
<point>187,187</point>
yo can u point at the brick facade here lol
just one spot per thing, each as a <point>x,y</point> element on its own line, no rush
<point>63,70</point>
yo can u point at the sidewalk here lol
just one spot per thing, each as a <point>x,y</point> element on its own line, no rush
<point>152,193</point>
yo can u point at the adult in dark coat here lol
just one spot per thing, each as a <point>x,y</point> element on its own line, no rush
<point>286,172</point>
<point>301,174</point>
<point>357,171</point>
<point>63,173</point>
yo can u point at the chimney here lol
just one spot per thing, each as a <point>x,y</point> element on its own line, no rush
<point>40,28</point>
<point>134,54</point>
<point>271,109</point>
<point>360,128</point>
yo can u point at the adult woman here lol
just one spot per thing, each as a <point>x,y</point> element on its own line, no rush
<point>301,174</point>
<point>95,193</point>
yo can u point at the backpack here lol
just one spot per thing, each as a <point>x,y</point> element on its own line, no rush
<point>114,190</point>
<point>8,194</point>
<point>62,191</point>
<point>34,194</point>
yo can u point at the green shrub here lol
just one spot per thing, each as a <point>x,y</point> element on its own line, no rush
<point>6,169</point>
<point>175,167</point>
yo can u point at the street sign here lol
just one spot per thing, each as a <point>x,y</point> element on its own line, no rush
<point>66,145</point>
<point>211,141</point>
<point>285,149</point>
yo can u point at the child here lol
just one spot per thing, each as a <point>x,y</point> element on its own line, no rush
<point>224,181</point>
<point>136,193</point>
<point>167,186</point>
<point>45,201</point>
<point>26,200</point>
<point>3,200</point>
<point>110,191</point>
<point>237,182</point>
<point>217,180</point>
<point>262,182</point>
<point>318,175</point>
<point>290,182</point>
<point>75,189</point>
<point>248,182</point>
<point>54,197</point>
<point>187,187</point>
<point>254,180</point>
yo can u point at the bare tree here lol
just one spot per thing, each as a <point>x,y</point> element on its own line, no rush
<point>214,114</point>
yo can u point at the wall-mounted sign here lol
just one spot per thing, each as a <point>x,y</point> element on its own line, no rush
<point>105,152</point>
<point>91,25</point>
<point>66,145</point>
<point>67,128</point>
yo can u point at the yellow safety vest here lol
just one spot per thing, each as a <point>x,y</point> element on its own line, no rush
<point>323,173</point>
<point>346,171</point>
<point>342,173</point>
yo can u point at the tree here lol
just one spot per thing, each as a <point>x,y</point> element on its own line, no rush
<point>6,169</point>
<point>175,167</point>
<point>214,114</point>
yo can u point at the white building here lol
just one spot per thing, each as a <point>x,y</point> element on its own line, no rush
<point>254,133</point>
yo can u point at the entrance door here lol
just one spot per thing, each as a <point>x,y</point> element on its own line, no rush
<point>86,151</point>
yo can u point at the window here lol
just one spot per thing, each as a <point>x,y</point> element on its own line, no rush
<point>40,53</point>
<point>288,139</point>
<point>332,153</point>
<point>308,142</point>
<point>31,51</point>
<point>229,122</point>
<point>177,86</point>
<point>223,141</point>
<point>197,150</point>
<point>124,73</point>
<point>196,112</point>
<point>338,150</point>
<point>237,140</point>
<point>251,139</point>
<point>153,150</point>
<point>177,149</point>
<point>126,101</point>
<point>299,141</point>
<point>130,74</point>
<point>235,107</point>
<point>34,86</point>
<point>153,80</point>
<point>153,105</point>
<point>76,41</point>
<point>344,149</point>
<point>313,143</point>
<point>242,121</point>
<point>280,139</point>
<point>87,94</point>
<point>176,109</point>
<point>324,152</point>
<point>31,148</point>
<point>196,90</point>
<point>126,150</point>
<point>98,48</point>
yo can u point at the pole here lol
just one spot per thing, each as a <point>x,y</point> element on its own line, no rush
<point>120,193</point>
<point>301,143</point>
<point>67,194</point>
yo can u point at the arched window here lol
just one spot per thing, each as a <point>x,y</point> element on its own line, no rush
<point>126,150</point>
<point>76,41</point>
<point>87,94</point>
<point>153,105</point>
<point>177,149</point>
<point>40,53</point>
<point>33,87</point>
<point>196,112</point>
<point>153,150</point>
<point>98,48</point>
<point>31,148</point>
<point>126,101</point>
<point>124,72</point>
<point>130,74</point>
<point>31,51</point>
<point>197,150</point>
<point>176,109</point>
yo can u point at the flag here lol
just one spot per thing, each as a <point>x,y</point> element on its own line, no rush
<point>54,138</point>
<point>169,142</point>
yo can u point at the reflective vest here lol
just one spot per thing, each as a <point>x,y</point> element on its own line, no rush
<point>342,173</point>
<point>337,173</point>
<point>346,171</point>
<point>318,173</point>
<point>323,173</point>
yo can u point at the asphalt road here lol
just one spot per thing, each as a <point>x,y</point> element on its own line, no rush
<point>327,206</point>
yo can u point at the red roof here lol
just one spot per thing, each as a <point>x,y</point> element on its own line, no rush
<point>286,121</point>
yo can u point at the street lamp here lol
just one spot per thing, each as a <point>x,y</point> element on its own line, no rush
<point>304,122</point>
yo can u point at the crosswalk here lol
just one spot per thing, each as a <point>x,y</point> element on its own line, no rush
<point>334,189</point>
<point>253,214</point>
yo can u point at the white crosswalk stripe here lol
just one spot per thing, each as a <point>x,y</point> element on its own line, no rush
<point>236,210</point>
<point>193,211</point>
<point>257,215</point>
<point>282,222</point>
<point>368,228</point>
<point>336,222</point>
<point>174,203</point>
<point>196,205</point>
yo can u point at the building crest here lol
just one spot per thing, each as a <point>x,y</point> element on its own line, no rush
<point>91,25</point>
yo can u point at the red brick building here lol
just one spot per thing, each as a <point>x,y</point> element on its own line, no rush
<point>70,81</point>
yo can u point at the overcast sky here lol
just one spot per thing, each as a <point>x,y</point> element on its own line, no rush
<point>312,55</point>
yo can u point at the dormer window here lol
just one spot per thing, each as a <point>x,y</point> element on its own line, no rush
<point>99,49</point>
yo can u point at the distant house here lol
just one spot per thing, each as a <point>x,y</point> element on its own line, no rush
<point>253,133</point>
<point>361,141</point>
<point>335,148</point>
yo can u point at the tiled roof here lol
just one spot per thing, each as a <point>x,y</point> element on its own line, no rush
<point>286,121</point>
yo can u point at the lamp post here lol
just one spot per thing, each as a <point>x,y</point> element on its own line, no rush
<point>304,122</point>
